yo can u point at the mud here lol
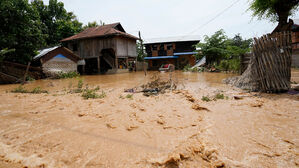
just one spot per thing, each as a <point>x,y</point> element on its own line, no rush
<point>174,129</point>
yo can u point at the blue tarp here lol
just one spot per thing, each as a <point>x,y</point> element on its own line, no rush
<point>60,56</point>
<point>185,53</point>
<point>160,57</point>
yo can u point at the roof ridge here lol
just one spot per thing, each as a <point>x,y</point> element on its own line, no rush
<point>111,24</point>
<point>104,30</point>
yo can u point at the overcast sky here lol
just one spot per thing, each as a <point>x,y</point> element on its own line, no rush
<point>164,18</point>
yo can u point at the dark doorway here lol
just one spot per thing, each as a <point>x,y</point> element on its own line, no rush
<point>107,60</point>
<point>91,65</point>
<point>80,69</point>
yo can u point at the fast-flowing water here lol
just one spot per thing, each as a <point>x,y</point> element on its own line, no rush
<point>175,129</point>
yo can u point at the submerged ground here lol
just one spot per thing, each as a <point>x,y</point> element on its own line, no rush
<point>175,129</point>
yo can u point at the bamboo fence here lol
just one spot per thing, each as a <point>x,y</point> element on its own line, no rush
<point>269,68</point>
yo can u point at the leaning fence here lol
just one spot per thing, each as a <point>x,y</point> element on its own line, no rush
<point>269,68</point>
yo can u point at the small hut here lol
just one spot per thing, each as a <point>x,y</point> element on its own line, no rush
<point>57,60</point>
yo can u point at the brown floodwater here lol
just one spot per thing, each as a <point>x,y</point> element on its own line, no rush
<point>175,129</point>
<point>125,80</point>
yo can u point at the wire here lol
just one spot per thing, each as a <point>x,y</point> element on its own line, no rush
<point>220,13</point>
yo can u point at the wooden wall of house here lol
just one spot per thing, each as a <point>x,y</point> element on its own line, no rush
<point>122,47</point>
<point>132,48</point>
<point>91,48</point>
<point>125,47</point>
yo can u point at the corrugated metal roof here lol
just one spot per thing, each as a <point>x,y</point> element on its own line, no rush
<point>105,30</point>
<point>172,39</point>
<point>296,22</point>
<point>185,53</point>
<point>44,52</point>
<point>160,57</point>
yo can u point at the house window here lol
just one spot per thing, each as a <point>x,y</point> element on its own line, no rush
<point>162,47</point>
<point>75,47</point>
<point>169,47</point>
<point>155,47</point>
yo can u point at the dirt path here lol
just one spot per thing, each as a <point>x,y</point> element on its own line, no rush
<point>176,129</point>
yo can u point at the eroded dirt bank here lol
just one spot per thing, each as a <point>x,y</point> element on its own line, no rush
<point>175,129</point>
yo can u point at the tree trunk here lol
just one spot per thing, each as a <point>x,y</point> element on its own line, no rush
<point>283,24</point>
<point>282,9</point>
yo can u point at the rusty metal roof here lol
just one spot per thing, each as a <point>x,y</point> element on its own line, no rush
<point>101,31</point>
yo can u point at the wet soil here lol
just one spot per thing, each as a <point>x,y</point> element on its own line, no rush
<point>174,129</point>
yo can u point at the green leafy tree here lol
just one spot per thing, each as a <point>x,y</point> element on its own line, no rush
<point>140,52</point>
<point>20,29</point>
<point>213,47</point>
<point>223,52</point>
<point>93,24</point>
<point>237,46</point>
<point>57,23</point>
<point>275,10</point>
<point>3,53</point>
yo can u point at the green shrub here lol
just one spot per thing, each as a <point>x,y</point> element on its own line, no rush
<point>129,96</point>
<point>79,87</point>
<point>234,65</point>
<point>194,69</point>
<point>97,88</point>
<point>91,94</point>
<point>102,95</point>
<point>62,75</point>
<point>20,89</point>
<point>229,65</point>
<point>38,90</point>
<point>223,65</point>
<point>80,84</point>
<point>187,68</point>
<point>205,98</point>
<point>219,96</point>
<point>28,78</point>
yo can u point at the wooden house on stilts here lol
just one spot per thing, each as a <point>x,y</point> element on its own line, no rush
<point>106,48</point>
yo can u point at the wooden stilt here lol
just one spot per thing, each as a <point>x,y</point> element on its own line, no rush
<point>26,72</point>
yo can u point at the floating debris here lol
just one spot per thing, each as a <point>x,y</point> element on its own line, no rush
<point>154,87</point>
<point>199,108</point>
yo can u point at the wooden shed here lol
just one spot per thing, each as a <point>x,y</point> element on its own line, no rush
<point>106,48</point>
<point>56,60</point>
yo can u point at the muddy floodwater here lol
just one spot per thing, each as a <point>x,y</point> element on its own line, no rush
<point>171,130</point>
